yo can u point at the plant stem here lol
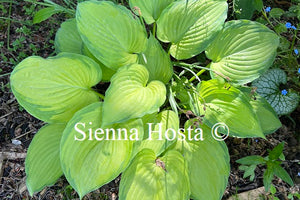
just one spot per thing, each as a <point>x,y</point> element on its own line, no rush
<point>1,75</point>
<point>100,95</point>
<point>198,74</point>
<point>154,29</point>
<point>266,17</point>
<point>8,26</point>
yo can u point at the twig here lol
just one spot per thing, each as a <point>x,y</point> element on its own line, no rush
<point>12,155</point>
<point>6,115</point>
<point>23,134</point>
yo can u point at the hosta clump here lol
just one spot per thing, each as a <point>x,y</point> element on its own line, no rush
<point>91,138</point>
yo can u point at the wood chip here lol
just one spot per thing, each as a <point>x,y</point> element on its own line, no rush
<point>249,195</point>
<point>12,155</point>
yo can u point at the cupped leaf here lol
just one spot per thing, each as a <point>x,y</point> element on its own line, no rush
<point>191,25</point>
<point>67,38</point>
<point>150,9</point>
<point>242,51</point>
<point>110,32</point>
<point>53,89</point>
<point>160,131</point>
<point>91,156</point>
<point>222,103</point>
<point>157,61</point>
<point>267,117</point>
<point>42,164</point>
<point>207,160</point>
<point>268,86</point>
<point>130,95</point>
<point>151,178</point>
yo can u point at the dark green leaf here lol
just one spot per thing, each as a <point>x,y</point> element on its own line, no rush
<point>282,173</point>
<point>258,4</point>
<point>44,14</point>
<point>276,12</point>
<point>268,176</point>
<point>276,152</point>
<point>251,160</point>
<point>243,9</point>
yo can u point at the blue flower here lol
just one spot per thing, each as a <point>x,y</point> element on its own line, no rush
<point>293,27</point>
<point>284,92</point>
<point>288,25</point>
<point>298,70</point>
<point>296,51</point>
<point>268,9</point>
<point>298,174</point>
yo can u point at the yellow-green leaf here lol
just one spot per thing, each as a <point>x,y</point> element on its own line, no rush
<point>157,61</point>
<point>191,25</point>
<point>42,164</point>
<point>208,163</point>
<point>150,9</point>
<point>91,156</point>
<point>130,95</point>
<point>242,51</point>
<point>111,32</point>
<point>220,102</point>
<point>53,89</point>
<point>151,178</point>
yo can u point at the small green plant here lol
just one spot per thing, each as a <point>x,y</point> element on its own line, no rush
<point>133,126</point>
<point>273,162</point>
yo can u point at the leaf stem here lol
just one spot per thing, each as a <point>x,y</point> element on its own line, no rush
<point>100,95</point>
<point>154,29</point>
<point>197,75</point>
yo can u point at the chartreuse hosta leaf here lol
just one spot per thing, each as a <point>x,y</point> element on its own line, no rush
<point>53,89</point>
<point>268,86</point>
<point>130,95</point>
<point>110,32</point>
<point>67,38</point>
<point>107,73</point>
<point>208,163</point>
<point>152,178</point>
<point>191,25</point>
<point>91,156</point>
<point>242,51</point>
<point>222,103</point>
<point>267,117</point>
<point>42,164</point>
<point>150,9</point>
<point>157,61</point>
<point>156,136</point>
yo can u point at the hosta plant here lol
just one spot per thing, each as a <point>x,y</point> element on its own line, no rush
<point>160,120</point>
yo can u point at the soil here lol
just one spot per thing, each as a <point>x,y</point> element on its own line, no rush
<point>17,127</point>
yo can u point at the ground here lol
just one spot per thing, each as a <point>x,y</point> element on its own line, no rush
<point>20,38</point>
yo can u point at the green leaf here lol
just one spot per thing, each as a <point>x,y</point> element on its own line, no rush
<point>221,103</point>
<point>258,5</point>
<point>268,176</point>
<point>191,25</point>
<point>208,162</point>
<point>110,32</point>
<point>242,51</point>
<point>276,152</point>
<point>267,117</point>
<point>250,172</point>
<point>157,61</point>
<point>151,178</point>
<point>244,8</point>
<point>280,28</point>
<point>42,164</point>
<point>272,189</point>
<point>156,136</point>
<point>282,173</point>
<point>130,95</point>
<point>45,13</point>
<point>53,89</point>
<point>251,160</point>
<point>268,86</point>
<point>107,73</point>
<point>150,9</point>
<point>67,38</point>
<point>91,156</point>
<point>276,12</point>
